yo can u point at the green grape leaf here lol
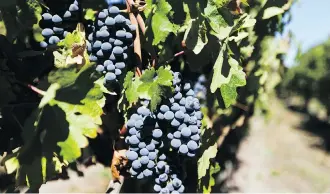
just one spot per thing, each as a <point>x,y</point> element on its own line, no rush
<point>196,36</point>
<point>160,23</point>
<point>236,78</point>
<point>152,85</point>
<point>271,12</point>
<point>90,14</point>
<point>204,160</point>
<point>164,77</point>
<point>49,95</point>
<point>213,170</point>
<point>148,76</point>
<point>73,38</point>
<point>218,78</point>
<point>131,86</point>
<point>220,27</point>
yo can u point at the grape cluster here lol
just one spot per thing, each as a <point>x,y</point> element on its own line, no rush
<point>199,87</point>
<point>157,140</point>
<point>167,182</point>
<point>183,113</point>
<point>57,24</point>
<point>144,140</point>
<point>112,35</point>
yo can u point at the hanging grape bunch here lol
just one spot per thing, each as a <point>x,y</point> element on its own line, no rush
<point>109,42</point>
<point>158,140</point>
<point>183,113</point>
<point>146,153</point>
<point>56,23</point>
<point>144,139</point>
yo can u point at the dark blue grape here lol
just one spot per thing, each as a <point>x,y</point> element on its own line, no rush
<point>178,96</point>
<point>136,165</point>
<point>110,21</point>
<point>118,43</point>
<point>175,123</point>
<point>43,44</point>
<point>100,53</point>
<point>92,58</point>
<point>58,30</point>
<point>162,157</point>
<point>160,116</point>
<point>120,19</point>
<point>152,155</point>
<point>120,65</point>
<point>133,172</point>
<point>157,188</point>
<point>177,134</point>
<point>118,72</point>
<point>142,145</point>
<point>186,132</point>
<point>47,16</point>
<point>151,147</point>
<point>169,115</point>
<point>102,15</point>
<point>179,115</point>
<point>117,51</point>
<point>193,128</point>
<point>134,140</point>
<point>132,131</point>
<point>175,143</point>
<point>170,136</point>
<point>73,7</point>
<point>138,124</point>
<point>151,164</point>
<point>47,32</point>
<point>56,19</point>
<point>53,40</point>
<point>192,145</point>
<point>176,183</point>
<point>175,107</point>
<point>120,34</point>
<point>140,176</point>
<point>114,10</point>
<point>100,68</point>
<point>110,76</point>
<point>144,152</point>
<point>190,92</point>
<point>183,149</point>
<point>181,189</point>
<point>144,160</point>
<point>157,133</point>
<point>164,108</point>
<point>163,177</point>
<point>195,137</point>
<point>147,173</point>
<point>67,14</point>
<point>131,155</point>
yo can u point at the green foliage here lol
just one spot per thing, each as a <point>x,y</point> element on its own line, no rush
<point>152,85</point>
<point>238,52</point>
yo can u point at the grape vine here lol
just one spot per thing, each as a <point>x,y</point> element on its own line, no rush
<point>164,80</point>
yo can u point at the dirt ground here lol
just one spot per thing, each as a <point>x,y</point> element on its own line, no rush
<point>277,156</point>
<point>280,156</point>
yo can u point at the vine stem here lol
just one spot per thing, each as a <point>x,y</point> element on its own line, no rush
<point>137,42</point>
<point>174,56</point>
<point>37,90</point>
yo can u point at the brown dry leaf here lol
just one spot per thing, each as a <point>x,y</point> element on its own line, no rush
<point>119,161</point>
